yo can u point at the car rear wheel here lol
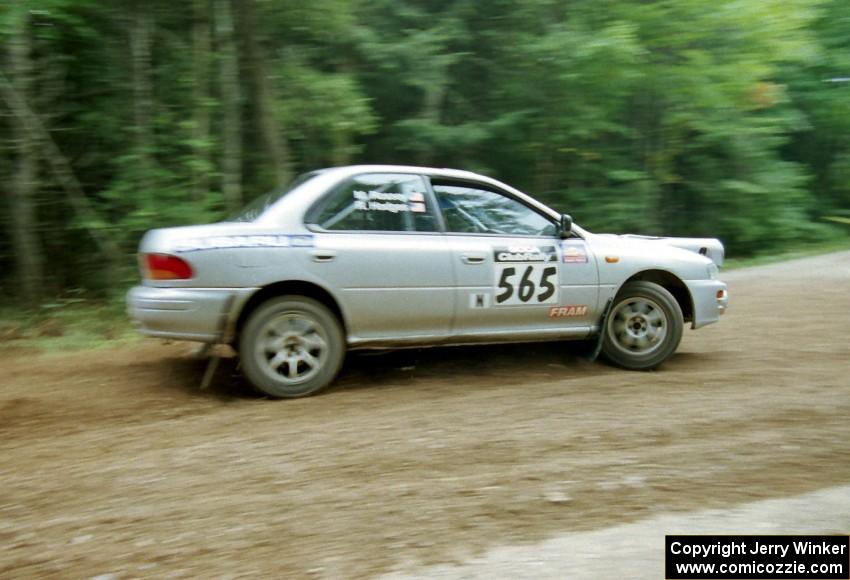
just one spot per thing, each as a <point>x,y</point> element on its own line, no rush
<point>292,346</point>
<point>644,327</point>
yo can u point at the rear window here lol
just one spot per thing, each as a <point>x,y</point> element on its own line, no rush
<point>259,205</point>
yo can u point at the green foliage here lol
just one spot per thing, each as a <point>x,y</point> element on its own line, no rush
<point>727,118</point>
<point>71,321</point>
<point>324,112</point>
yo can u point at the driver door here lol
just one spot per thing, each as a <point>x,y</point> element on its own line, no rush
<point>515,277</point>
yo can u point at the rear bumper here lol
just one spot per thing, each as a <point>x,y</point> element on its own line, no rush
<point>199,314</point>
<point>710,298</point>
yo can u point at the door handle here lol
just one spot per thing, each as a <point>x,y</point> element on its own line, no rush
<point>323,255</point>
<point>473,258</point>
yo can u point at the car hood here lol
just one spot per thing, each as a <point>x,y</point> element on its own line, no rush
<point>711,248</point>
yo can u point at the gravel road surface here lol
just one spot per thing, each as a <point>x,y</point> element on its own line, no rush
<point>114,464</point>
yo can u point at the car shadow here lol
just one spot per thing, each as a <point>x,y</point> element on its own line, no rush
<point>373,370</point>
<point>186,374</point>
<point>376,369</point>
<point>459,364</point>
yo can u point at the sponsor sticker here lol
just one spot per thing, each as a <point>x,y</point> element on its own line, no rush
<point>301,241</point>
<point>568,311</point>
<point>522,254</point>
<point>251,241</point>
<point>525,275</point>
<point>574,252</point>
<point>390,202</point>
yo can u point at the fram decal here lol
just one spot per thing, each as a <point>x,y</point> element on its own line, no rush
<point>574,252</point>
<point>570,311</point>
<point>252,241</point>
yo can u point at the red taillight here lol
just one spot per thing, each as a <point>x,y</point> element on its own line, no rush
<point>165,267</point>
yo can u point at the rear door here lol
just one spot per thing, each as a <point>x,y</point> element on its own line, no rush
<point>379,246</point>
<point>515,276</point>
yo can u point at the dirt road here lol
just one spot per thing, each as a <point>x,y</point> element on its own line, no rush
<point>113,463</point>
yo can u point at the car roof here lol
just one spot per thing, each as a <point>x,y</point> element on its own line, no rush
<point>335,174</point>
<point>434,171</point>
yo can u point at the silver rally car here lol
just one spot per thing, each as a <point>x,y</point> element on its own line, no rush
<point>391,256</point>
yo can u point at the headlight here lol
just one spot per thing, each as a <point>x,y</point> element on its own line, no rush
<point>712,271</point>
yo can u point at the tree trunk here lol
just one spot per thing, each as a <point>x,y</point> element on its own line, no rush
<point>42,145</point>
<point>201,51</point>
<point>432,108</point>
<point>29,256</point>
<point>231,132</point>
<point>262,96</point>
<point>141,26</point>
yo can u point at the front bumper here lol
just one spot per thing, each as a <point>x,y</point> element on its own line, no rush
<point>710,298</point>
<point>199,314</point>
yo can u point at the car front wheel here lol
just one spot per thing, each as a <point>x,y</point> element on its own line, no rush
<point>292,346</point>
<point>643,328</point>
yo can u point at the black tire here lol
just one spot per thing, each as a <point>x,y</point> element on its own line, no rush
<point>644,327</point>
<point>291,346</point>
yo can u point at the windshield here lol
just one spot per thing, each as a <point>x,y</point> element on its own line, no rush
<point>259,205</point>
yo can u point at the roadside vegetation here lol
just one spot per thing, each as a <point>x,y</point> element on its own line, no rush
<point>69,323</point>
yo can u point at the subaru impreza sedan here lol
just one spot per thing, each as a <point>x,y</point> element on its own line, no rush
<point>394,256</point>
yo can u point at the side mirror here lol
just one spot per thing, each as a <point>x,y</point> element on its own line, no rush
<point>566,225</point>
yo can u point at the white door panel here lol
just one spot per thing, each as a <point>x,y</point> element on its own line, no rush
<point>390,284</point>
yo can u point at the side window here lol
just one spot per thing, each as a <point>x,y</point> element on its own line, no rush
<point>468,208</point>
<point>380,202</point>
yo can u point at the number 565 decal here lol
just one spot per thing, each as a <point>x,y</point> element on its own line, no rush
<point>525,275</point>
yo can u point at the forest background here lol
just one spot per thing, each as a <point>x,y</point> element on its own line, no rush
<point>721,118</point>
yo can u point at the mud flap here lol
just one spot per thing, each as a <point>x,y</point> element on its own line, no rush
<point>212,365</point>
<point>209,348</point>
<point>602,322</point>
